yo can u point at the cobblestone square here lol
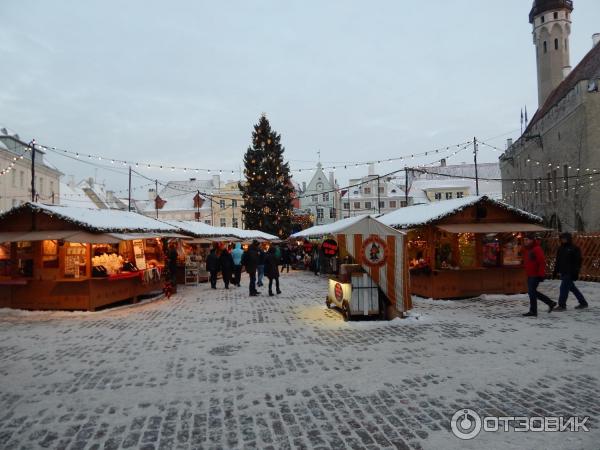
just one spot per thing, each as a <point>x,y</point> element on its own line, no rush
<point>220,370</point>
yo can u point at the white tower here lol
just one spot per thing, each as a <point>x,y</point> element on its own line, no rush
<point>551,20</point>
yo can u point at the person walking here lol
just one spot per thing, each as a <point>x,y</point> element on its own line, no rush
<point>272,271</point>
<point>212,266</point>
<point>172,267</point>
<point>226,266</point>
<point>568,265</point>
<point>250,263</point>
<point>316,261</point>
<point>535,267</point>
<point>237,254</point>
<point>261,266</point>
<point>285,259</point>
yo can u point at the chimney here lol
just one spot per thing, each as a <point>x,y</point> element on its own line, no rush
<point>566,71</point>
<point>443,162</point>
<point>509,143</point>
<point>91,181</point>
<point>304,186</point>
<point>151,194</point>
<point>596,39</point>
<point>71,182</point>
<point>216,181</point>
<point>371,169</point>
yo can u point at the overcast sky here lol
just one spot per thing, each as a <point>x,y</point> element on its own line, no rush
<point>183,82</point>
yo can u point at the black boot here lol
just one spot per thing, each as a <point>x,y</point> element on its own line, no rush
<point>551,306</point>
<point>581,306</point>
<point>530,314</point>
<point>271,294</point>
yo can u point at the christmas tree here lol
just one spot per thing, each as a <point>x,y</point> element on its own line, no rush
<point>268,191</point>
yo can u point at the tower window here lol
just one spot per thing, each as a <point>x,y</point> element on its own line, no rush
<point>556,15</point>
<point>543,19</point>
<point>566,44</point>
<point>555,44</point>
<point>545,47</point>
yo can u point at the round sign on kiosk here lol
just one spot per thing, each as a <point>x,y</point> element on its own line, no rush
<point>339,292</point>
<point>330,247</point>
<point>374,252</point>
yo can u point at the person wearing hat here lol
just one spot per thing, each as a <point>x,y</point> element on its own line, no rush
<point>535,267</point>
<point>568,265</point>
<point>250,263</point>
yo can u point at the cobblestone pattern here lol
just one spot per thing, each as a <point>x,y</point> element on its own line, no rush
<point>215,369</point>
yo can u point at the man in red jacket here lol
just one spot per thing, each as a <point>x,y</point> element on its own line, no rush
<point>535,267</point>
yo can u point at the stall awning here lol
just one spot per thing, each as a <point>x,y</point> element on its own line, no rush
<point>16,236</point>
<point>484,228</point>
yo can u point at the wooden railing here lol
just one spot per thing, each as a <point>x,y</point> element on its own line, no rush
<point>589,243</point>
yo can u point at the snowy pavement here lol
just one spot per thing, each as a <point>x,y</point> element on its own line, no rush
<point>217,369</point>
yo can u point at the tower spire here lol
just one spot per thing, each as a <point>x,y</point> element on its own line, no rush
<point>551,20</point>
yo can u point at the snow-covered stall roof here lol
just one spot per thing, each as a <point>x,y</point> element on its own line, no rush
<point>329,228</point>
<point>97,220</point>
<point>419,215</point>
<point>197,229</point>
<point>247,234</point>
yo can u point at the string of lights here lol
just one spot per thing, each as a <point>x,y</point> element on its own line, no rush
<point>114,162</point>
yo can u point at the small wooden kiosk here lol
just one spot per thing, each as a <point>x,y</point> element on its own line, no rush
<point>464,247</point>
<point>68,258</point>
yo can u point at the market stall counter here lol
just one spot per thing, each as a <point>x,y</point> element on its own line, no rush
<point>54,257</point>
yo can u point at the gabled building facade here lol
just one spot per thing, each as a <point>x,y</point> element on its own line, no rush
<point>320,199</point>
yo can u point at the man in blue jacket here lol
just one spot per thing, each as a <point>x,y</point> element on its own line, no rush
<point>236,254</point>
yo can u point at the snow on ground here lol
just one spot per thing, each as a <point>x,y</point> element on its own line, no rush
<point>218,369</point>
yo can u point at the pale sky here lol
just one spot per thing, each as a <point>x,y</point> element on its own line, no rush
<point>184,82</point>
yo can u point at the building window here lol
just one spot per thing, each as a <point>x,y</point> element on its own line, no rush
<point>566,44</point>
<point>222,204</point>
<point>14,178</point>
<point>549,186</point>
<point>41,186</point>
<point>555,183</point>
<point>392,203</point>
<point>381,189</point>
<point>319,213</point>
<point>52,187</point>
<point>315,198</point>
<point>356,205</point>
<point>234,203</point>
<point>438,195</point>
<point>403,204</point>
<point>367,190</point>
<point>234,222</point>
<point>207,222</point>
<point>448,195</point>
<point>21,179</point>
<point>326,197</point>
<point>566,180</point>
<point>346,205</point>
<point>332,213</point>
<point>460,194</point>
<point>382,204</point>
<point>367,205</point>
<point>555,44</point>
<point>223,222</point>
<point>545,47</point>
<point>15,202</point>
<point>542,19</point>
<point>556,15</point>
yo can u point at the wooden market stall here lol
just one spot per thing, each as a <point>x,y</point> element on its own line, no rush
<point>373,271</point>
<point>464,247</point>
<point>68,258</point>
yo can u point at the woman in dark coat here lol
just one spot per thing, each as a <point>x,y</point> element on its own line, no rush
<point>212,266</point>
<point>226,265</point>
<point>272,270</point>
